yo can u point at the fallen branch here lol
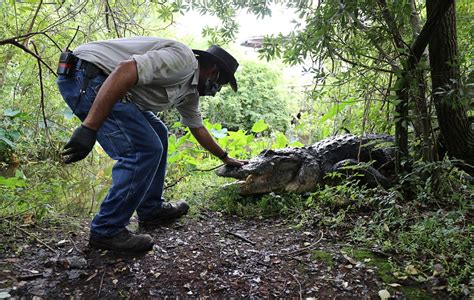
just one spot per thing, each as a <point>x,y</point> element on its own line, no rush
<point>35,237</point>
<point>241,237</point>
<point>299,284</point>
<point>100,286</point>
<point>301,250</point>
<point>29,276</point>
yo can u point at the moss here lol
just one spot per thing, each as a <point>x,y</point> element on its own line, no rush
<point>384,271</point>
<point>322,256</point>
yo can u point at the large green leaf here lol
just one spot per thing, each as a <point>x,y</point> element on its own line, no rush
<point>259,126</point>
<point>334,110</point>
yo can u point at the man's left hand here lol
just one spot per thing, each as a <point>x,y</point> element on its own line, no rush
<point>81,143</point>
<point>234,162</point>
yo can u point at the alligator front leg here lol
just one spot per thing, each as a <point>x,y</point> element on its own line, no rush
<point>368,174</point>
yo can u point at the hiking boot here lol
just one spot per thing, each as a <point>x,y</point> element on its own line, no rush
<point>124,241</point>
<point>166,214</point>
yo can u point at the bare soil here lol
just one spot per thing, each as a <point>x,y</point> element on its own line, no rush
<point>208,255</point>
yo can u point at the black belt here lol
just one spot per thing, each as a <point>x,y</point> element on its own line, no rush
<point>90,71</point>
<point>88,67</point>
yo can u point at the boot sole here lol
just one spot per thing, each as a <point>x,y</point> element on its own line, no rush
<point>162,222</point>
<point>101,246</point>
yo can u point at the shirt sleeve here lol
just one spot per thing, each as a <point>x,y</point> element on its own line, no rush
<point>190,113</point>
<point>165,66</point>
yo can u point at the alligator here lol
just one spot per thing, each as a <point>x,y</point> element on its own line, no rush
<point>303,169</point>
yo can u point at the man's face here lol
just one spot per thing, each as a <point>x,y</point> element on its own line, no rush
<point>208,84</point>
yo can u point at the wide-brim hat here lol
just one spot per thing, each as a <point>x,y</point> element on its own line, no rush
<point>226,63</point>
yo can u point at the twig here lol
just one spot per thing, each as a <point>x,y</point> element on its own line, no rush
<point>301,250</point>
<point>35,237</point>
<point>100,286</point>
<point>113,18</point>
<point>299,284</point>
<point>15,215</point>
<point>22,47</point>
<point>195,170</point>
<point>40,75</point>
<point>74,245</point>
<point>25,42</point>
<point>241,237</point>
<point>29,276</point>
<point>73,37</point>
<point>207,170</point>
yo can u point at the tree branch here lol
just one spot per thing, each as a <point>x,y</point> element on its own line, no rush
<point>40,75</point>
<point>15,43</point>
<point>33,21</point>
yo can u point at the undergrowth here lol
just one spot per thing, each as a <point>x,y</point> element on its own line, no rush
<point>425,221</point>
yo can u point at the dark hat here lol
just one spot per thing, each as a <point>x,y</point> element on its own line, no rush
<point>226,63</point>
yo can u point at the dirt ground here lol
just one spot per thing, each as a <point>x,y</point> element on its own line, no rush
<point>208,255</point>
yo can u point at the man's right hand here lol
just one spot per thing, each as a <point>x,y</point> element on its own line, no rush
<point>80,144</point>
<point>234,162</point>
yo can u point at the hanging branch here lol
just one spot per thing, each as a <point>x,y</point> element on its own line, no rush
<point>15,43</point>
<point>40,75</point>
<point>113,18</point>
<point>33,21</point>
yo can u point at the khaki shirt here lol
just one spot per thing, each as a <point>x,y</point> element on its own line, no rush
<point>168,73</point>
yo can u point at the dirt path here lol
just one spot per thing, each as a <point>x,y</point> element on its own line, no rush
<point>206,256</point>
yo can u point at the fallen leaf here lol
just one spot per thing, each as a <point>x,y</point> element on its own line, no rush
<point>410,269</point>
<point>394,284</point>
<point>61,243</point>
<point>350,259</point>
<point>384,294</point>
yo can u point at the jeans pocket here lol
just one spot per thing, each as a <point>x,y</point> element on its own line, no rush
<point>69,87</point>
<point>118,144</point>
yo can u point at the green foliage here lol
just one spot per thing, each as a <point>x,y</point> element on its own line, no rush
<point>259,97</point>
<point>423,227</point>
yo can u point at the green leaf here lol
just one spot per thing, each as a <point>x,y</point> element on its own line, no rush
<point>280,141</point>
<point>7,141</point>
<point>259,126</point>
<point>10,113</point>
<point>12,182</point>
<point>219,133</point>
<point>336,109</point>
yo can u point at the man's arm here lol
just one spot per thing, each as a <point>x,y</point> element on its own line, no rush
<point>114,88</point>
<point>205,139</point>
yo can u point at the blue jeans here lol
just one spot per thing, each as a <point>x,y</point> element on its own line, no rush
<point>137,141</point>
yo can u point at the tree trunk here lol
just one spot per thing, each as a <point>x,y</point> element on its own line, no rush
<point>454,124</point>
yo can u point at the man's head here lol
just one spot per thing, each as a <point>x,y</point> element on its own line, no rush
<point>216,68</point>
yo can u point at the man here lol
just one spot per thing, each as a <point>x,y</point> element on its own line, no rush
<point>115,87</point>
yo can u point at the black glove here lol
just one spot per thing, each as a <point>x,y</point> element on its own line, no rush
<point>80,144</point>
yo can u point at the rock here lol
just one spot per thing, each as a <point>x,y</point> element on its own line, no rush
<point>76,262</point>
<point>74,274</point>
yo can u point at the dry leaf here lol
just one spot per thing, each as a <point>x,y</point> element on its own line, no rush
<point>384,294</point>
